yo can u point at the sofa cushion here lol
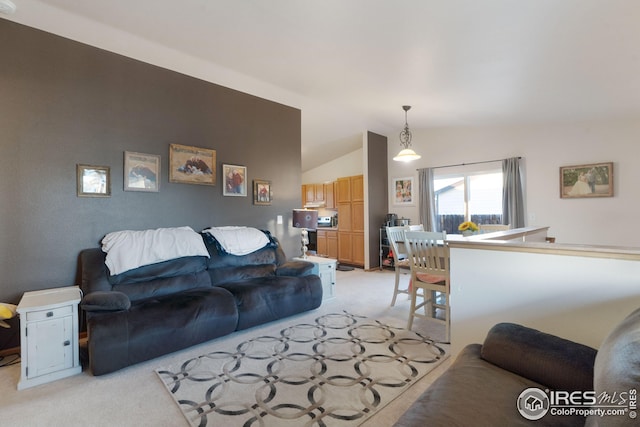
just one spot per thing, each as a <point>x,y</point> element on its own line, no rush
<point>164,286</point>
<point>223,275</point>
<point>474,392</point>
<point>160,270</point>
<point>264,299</point>
<point>158,326</point>
<point>547,359</point>
<point>617,368</point>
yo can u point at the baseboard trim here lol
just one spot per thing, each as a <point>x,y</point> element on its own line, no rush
<point>9,351</point>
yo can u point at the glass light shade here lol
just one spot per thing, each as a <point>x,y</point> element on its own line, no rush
<point>406,155</point>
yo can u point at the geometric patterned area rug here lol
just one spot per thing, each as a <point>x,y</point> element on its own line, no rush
<point>338,370</point>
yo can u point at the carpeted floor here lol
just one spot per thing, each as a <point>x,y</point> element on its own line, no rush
<point>338,370</point>
<point>135,396</point>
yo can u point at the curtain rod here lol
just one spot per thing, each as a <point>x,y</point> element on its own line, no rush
<point>467,164</point>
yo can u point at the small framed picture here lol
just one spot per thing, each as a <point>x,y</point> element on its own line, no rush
<point>235,180</point>
<point>261,192</point>
<point>192,165</point>
<point>93,181</point>
<point>403,193</point>
<point>141,172</point>
<point>586,181</point>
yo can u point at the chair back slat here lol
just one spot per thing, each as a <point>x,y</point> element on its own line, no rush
<point>428,251</point>
<point>395,235</point>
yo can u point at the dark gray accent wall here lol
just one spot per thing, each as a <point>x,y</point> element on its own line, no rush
<point>377,188</point>
<point>64,103</point>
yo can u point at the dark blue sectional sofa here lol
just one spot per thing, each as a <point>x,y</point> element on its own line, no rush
<point>160,308</point>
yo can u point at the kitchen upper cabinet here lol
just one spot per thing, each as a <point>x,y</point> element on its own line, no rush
<point>344,190</point>
<point>309,192</point>
<point>329,195</point>
<point>314,193</point>
<point>318,190</point>
<point>357,188</point>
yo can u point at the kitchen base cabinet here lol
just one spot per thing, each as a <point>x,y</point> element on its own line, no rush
<point>351,248</point>
<point>327,243</point>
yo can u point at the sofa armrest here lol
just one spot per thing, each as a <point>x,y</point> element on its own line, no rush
<point>547,359</point>
<point>294,268</point>
<point>105,301</point>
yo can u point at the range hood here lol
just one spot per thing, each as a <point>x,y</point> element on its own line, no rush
<point>314,204</point>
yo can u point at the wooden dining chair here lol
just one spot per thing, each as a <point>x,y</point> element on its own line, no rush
<point>428,255</point>
<point>400,261</point>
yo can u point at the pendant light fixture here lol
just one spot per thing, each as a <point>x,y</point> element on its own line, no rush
<point>406,154</point>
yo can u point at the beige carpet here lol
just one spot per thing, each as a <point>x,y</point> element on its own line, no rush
<point>338,370</point>
<point>135,397</point>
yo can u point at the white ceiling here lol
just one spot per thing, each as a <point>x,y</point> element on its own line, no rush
<point>351,64</point>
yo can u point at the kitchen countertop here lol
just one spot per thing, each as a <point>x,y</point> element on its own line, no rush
<point>325,229</point>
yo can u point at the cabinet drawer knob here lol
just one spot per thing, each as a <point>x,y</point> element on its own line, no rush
<point>49,313</point>
<point>66,343</point>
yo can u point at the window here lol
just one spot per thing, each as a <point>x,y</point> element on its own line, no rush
<point>473,196</point>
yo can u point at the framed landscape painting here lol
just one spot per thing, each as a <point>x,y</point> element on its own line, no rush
<point>192,165</point>
<point>586,181</point>
<point>141,172</point>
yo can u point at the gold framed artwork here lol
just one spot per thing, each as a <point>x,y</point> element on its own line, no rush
<point>261,192</point>
<point>141,172</point>
<point>192,165</point>
<point>235,180</point>
<point>586,181</point>
<point>93,181</point>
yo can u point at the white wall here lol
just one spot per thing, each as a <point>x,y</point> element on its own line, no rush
<point>348,165</point>
<point>545,148</point>
<point>576,297</point>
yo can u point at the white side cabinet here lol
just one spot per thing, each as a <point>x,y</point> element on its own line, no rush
<point>49,335</point>
<point>326,269</point>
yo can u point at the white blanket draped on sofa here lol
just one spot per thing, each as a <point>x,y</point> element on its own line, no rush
<point>129,249</point>
<point>239,240</point>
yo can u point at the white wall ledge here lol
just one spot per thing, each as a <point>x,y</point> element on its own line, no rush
<point>494,243</point>
<point>579,292</point>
